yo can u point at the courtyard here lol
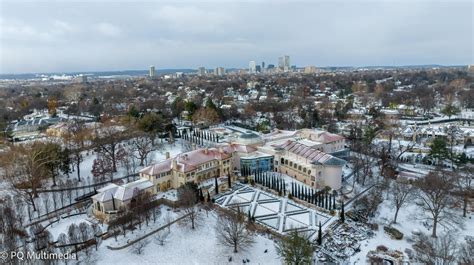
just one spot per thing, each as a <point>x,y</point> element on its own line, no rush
<point>277,213</point>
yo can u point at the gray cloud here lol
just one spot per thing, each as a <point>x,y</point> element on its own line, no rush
<point>109,35</point>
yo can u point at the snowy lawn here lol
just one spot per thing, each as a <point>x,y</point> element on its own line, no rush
<point>407,222</point>
<point>62,226</point>
<point>187,246</point>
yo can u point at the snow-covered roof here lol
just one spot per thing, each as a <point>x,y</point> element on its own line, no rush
<point>187,161</point>
<point>309,153</point>
<point>122,193</point>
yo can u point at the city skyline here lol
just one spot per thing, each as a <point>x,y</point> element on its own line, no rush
<point>187,35</point>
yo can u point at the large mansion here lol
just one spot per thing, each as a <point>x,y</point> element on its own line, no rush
<point>309,156</point>
<point>194,166</point>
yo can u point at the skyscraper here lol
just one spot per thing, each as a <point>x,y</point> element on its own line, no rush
<point>152,72</point>
<point>281,63</point>
<point>252,67</point>
<point>286,63</point>
<point>201,71</point>
<point>219,71</point>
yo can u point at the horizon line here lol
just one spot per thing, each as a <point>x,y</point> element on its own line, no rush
<point>164,69</point>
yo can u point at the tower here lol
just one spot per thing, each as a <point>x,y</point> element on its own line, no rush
<point>152,72</point>
<point>252,67</point>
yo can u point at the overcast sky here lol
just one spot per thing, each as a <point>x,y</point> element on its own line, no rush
<point>47,36</point>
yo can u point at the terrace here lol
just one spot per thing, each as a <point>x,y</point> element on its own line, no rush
<point>277,213</point>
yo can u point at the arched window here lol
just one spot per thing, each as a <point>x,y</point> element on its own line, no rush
<point>299,168</point>
<point>291,164</point>
<point>282,160</point>
<point>309,172</point>
<point>304,170</point>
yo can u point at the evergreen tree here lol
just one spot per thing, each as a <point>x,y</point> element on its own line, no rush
<point>229,181</point>
<point>200,195</point>
<point>326,200</point>
<point>208,197</point>
<point>439,150</point>
<point>320,235</point>
<point>217,185</point>
<point>342,214</point>
<point>296,248</point>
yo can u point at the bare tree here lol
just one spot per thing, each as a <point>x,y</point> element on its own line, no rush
<point>188,199</point>
<point>441,250</point>
<point>401,192</point>
<point>29,171</point>
<point>139,246</point>
<point>142,147</point>
<point>11,230</point>
<point>75,139</point>
<point>86,233</point>
<point>436,199</point>
<point>73,235</point>
<point>97,234</point>
<point>232,230</point>
<point>161,236</point>
<point>465,186</point>
<point>107,140</point>
<point>466,253</point>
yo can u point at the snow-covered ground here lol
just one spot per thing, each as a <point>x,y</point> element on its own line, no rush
<point>62,225</point>
<point>187,246</point>
<point>408,221</point>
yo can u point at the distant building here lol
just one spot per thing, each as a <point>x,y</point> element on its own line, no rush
<point>219,71</point>
<point>81,79</point>
<point>281,63</point>
<point>252,67</point>
<point>284,63</point>
<point>152,72</point>
<point>310,69</point>
<point>201,71</point>
<point>470,70</point>
<point>270,66</point>
<point>263,65</point>
<point>258,69</point>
